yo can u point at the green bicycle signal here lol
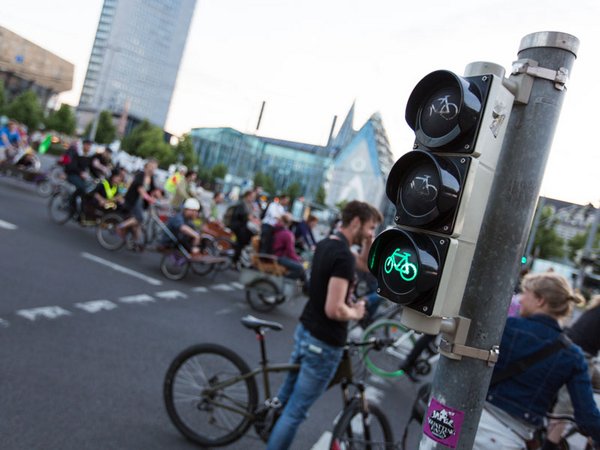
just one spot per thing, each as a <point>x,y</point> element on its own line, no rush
<point>399,261</point>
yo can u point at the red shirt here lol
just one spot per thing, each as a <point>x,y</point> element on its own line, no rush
<point>283,244</point>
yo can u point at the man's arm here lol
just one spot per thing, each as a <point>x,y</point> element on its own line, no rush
<point>335,303</point>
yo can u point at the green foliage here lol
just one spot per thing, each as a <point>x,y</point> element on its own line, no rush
<point>267,183</point>
<point>321,195</point>
<point>548,244</point>
<point>294,190</point>
<point>219,171</point>
<point>26,108</point>
<point>2,97</point>
<point>106,131</point>
<point>62,121</point>
<point>578,241</point>
<point>133,140</point>
<point>184,152</point>
<point>341,204</point>
<point>147,141</point>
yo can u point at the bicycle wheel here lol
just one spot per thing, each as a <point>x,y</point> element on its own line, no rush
<point>262,295</point>
<point>357,430</point>
<point>174,265</point>
<point>207,247</point>
<point>224,247</point>
<point>106,232</point>
<point>386,362</point>
<point>59,207</point>
<point>207,416</point>
<point>44,188</point>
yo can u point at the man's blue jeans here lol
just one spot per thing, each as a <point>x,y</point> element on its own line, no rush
<point>318,363</point>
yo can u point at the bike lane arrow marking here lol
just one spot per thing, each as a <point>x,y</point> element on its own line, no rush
<point>95,306</point>
<point>49,312</point>
<point>170,295</point>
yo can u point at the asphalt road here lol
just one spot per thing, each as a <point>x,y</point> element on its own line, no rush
<point>87,336</point>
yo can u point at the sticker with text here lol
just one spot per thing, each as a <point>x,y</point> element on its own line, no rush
<point>443,423</point>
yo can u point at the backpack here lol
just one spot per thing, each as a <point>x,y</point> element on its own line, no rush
<point>228,216</point>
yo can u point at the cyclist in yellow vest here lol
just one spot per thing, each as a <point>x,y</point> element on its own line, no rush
<point>175,179</point>
<point>107,190</point>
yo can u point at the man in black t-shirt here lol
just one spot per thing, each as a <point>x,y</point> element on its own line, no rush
<point>322,331</point>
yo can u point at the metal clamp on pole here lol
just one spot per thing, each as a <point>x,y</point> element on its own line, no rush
<point>530,67</point>
<point>457,351</point>
<point>454,336</point>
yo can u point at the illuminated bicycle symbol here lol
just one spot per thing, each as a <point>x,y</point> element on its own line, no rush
<point>399,261</point>
<point>423,188</point>
<point>444,108</point>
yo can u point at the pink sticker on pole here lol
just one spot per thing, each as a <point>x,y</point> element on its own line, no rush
<point>443,423</point>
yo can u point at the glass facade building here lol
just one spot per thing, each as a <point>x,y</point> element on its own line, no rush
<point>135,59</point>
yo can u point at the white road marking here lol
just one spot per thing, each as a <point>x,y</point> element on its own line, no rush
<point>237,285</point>
<point>323,442</point>
<point>49,312</point>
<point>224,311</point>
<point>200,289</point>
<point>4,323</point>
<point>142,298</point>
<point>8,225</point>
<point>122,269</point>
<point>170,295</point>
<point>221,287</point>
<point>95,306</point>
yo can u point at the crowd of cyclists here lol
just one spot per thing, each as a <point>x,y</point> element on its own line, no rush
<point>515,407</point>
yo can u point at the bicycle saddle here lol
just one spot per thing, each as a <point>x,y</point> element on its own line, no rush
<point>256,324</point>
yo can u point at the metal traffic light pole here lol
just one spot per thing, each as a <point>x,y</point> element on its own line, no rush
<point>538,79</point>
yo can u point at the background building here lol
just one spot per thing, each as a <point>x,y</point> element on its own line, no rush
<point>135,59</point>
<point>352,166</point>
<point>27,66</point>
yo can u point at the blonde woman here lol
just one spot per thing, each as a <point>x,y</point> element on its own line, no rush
<point>517,406</point>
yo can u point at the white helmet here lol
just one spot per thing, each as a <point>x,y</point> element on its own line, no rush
<point>191,203</point>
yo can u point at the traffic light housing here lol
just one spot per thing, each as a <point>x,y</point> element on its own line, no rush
<point>440,192</point>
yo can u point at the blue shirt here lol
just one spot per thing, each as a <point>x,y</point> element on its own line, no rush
<point>530,394</point>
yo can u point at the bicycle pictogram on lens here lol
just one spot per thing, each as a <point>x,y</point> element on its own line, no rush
<point>399,261</point>
<point>444,108</point>
<point>422,187</point>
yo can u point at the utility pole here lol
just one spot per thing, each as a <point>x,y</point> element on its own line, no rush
<point>538,79</point>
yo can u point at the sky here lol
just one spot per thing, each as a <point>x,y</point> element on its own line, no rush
<point>309,60</point>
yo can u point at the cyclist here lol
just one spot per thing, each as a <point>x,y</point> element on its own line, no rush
<point>184,189</point>
<point>283,248</point>
<point>321,334</point>
<point>77,172</point>
<point>517,404</point>
<point>10,140</point>
<point>139,194</point>
<point>108,190</point>
<point>182,226</point>
<point>243,213</point>
<point>101,163</point>
<point>273,213</point>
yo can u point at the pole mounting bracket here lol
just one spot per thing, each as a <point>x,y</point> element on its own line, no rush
<point>458,351</point>
<point>530,67</point>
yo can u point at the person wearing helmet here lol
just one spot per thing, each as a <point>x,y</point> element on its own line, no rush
<point>182,226</point>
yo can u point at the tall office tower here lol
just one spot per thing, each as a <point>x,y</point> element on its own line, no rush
<point>135,60</point>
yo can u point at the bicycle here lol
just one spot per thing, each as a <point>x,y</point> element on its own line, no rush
<point>399,262</point>
<point>387,363</point>
<point>211,396</point>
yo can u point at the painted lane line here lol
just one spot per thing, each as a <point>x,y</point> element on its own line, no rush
<point>221,287</point>
<point>139,299</point>
<point>95,306</point>
<point>121,269</point>
<point>237,285</point>
<point>200,289</point>
<point>49,312</point>
<point>4,323</point>
<point>170,295</point>
<point>7,225</point>
<point>224,312</point>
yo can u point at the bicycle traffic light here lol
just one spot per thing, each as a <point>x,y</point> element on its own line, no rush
<point>440,191</point>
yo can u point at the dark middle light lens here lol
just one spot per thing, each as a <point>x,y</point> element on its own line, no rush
<point>420,189</point>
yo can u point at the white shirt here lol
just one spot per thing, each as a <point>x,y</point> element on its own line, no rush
<point>273,213</point>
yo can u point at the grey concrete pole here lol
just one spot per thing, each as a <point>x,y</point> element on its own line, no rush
<point>463,384</point>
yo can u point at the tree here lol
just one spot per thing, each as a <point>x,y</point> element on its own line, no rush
<point>134,140</point>
<point>184,152</point>
<point>106,131</point>
<point>294,190</point>
<point>62,121</point>
<point>148,141</point>
<point>264,180</point>
<point>578,241</point>
<point>547,243</point>
<point>2,97</point>
<point>26,108</point>
<point>219,171</point>
<point>321,195</point>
